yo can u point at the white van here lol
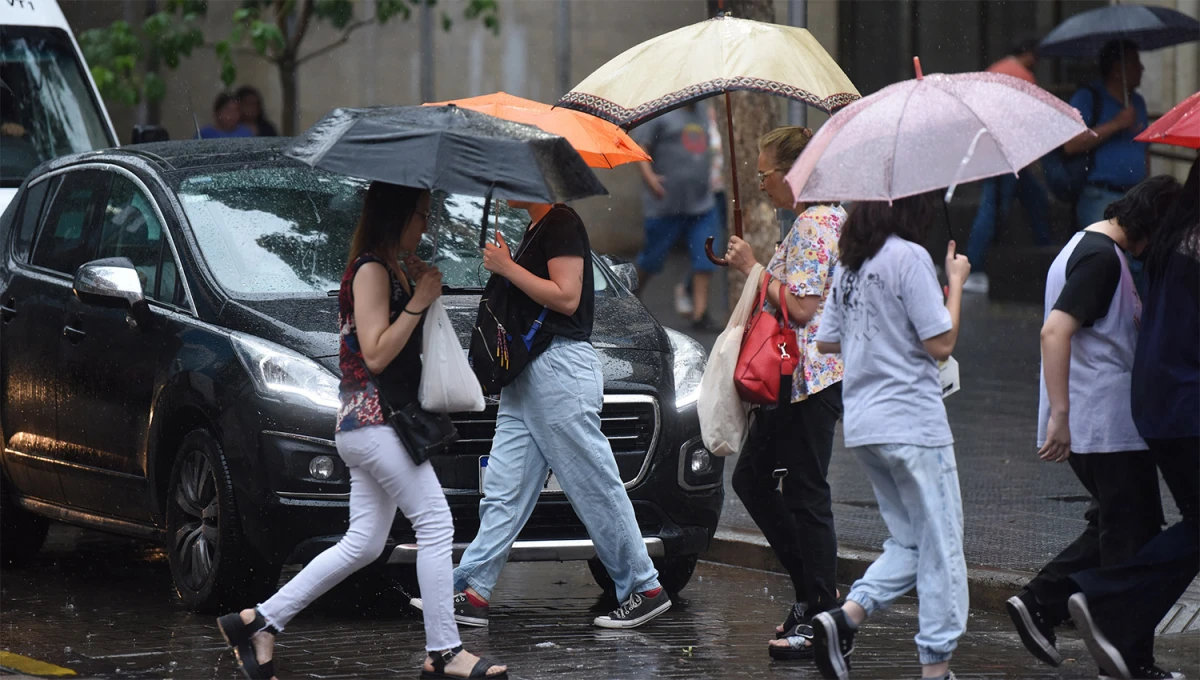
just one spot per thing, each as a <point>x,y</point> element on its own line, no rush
<point>49,105</point>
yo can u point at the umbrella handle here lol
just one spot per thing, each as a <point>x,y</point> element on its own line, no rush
<point>708,250</point>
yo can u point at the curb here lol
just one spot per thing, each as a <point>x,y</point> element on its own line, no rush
<point>988,587</point>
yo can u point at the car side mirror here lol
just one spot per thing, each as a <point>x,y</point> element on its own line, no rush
<point>624,271</point>
<point>112,282</point>
<point>143,134</point>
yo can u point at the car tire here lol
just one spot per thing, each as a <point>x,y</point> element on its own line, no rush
<point>22,533</point>
<point>673,573</point>
<point>214,567</point>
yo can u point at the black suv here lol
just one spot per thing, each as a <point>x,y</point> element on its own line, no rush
<point>168,361</point>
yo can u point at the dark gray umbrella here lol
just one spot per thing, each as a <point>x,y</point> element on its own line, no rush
<point>448,148</point>
<point>1151,28</point>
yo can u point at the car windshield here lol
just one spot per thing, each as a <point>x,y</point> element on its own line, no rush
<point>272,231</point>
<point>46,104</point>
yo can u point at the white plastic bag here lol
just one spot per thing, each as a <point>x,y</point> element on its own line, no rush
<point>722,412</point>
<point>447,383</point>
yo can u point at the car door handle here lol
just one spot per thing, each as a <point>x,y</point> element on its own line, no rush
<point>73,335</point>
<point>8,310</point>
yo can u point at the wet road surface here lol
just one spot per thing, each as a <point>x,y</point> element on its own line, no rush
<point>104,607</point>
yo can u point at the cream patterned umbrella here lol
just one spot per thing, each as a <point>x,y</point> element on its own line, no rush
<point>713,57</point>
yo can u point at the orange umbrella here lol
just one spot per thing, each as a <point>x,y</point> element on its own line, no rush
<point>602,144</point>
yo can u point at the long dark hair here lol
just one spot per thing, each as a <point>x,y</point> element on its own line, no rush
<point>387,209</point>
<point>1180,230</point>
<point>871,223</point>
<point>1141,211</point>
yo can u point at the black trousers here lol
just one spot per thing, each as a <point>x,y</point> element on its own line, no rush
<point>1126,512</point>
<point>1128,600</point>
<point>795,514</point>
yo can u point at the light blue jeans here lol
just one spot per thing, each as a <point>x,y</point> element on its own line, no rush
<point>919,499</point>
<point>549,418</point>
<point>994,202</point>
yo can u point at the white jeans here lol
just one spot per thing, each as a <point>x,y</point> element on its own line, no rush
<point>383,478</point>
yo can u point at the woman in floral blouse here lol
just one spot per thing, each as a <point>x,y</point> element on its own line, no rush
<point>796,516</point>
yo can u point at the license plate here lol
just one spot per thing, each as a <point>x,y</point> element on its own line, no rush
<point>550,485</point>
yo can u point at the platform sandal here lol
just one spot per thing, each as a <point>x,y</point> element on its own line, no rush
<point>440,659</point>
<point>799,644</point>
<point>238,634</point>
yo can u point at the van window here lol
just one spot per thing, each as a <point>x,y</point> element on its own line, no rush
<point>47,107</point>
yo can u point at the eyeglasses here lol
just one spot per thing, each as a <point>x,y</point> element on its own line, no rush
<point>762,176</point>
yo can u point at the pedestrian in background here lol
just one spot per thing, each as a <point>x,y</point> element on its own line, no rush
<point>1084,412</point>
<point>1117,161</point>
<point>250,104</point>
<point>683,291</point>
<point>227,116</point>
<point>677,200</point>
<point>997,192</point>
<point>1120,604</point>
<point>887,318</point>
<point>549,419</point>
<point>795,514</point>
<point>381,313</point>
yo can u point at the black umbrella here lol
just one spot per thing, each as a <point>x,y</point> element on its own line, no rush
<point>448,148</point>
<point>1151,28</point>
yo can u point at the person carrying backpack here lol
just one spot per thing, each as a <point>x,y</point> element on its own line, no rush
<point>549,419</point>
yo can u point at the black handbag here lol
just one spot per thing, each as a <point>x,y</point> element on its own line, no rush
<point>424,434</point>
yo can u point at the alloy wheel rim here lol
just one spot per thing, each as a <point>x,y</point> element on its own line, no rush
<point>195,540</point>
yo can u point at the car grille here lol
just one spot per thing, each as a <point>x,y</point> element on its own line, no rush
<point>631,423</point>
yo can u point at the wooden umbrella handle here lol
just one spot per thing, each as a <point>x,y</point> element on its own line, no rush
<point>737,203</point>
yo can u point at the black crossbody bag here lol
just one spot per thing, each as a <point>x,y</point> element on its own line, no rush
<point>424,434</point>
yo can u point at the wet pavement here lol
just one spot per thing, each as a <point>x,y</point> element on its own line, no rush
<point>104,607</point>
<point>1018,511</point>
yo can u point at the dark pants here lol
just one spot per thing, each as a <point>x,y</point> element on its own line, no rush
<point>796,516</point>
<point>1126,512</point>
<point>1128,600</point>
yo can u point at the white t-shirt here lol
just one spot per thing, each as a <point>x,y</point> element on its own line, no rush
<point>881,315</point>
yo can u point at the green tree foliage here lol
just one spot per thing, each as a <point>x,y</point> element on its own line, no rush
<point>125,60</point>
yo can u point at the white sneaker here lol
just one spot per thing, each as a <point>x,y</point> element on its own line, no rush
<point>683,301</point>
<point>976,283</point>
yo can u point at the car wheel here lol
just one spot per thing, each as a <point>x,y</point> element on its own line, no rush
<point>22,533</point>
<point>673,572</point>
<point>214,567</point>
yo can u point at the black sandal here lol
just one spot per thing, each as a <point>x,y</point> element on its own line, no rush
<point>237,635</point>
<point>440,659</point>
<point>796,650</point>
<point>794,617</point>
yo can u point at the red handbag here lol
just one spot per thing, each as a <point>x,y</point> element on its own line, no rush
<point>769,352</point>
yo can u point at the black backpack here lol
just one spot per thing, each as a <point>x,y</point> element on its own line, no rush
<point>504,340</point>
<point>1067,175</point>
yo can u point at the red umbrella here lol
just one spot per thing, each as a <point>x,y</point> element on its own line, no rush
<point>1180,126</point>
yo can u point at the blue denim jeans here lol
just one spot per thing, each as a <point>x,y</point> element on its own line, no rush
<point>549,417</point>
<point>919,499</point>
<point>994,203</point>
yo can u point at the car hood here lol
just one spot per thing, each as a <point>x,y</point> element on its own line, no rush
<point>310,325</point>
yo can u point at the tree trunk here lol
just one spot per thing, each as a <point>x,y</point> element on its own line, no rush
<point>753,116</point>
<point>290,118</point>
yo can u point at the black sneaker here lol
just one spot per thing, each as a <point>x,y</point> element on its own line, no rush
<point>1103,652</point>
<point>635,611</point>
<point>1029,616</point>
<point>1150,672</point>
<point>833,641</point>
<point>465,612</point>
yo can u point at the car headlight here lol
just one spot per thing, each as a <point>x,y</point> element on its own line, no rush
<point>280,372</point>
<point>687,358</point>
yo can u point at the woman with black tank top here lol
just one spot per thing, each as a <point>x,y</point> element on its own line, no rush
<point>549,417</point>
<point>380,312</point>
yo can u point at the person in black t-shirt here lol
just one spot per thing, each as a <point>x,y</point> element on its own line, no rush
<point>549,419</point>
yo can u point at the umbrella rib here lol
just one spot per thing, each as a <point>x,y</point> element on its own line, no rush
<point>896,142</point>
<point>995,140</point>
